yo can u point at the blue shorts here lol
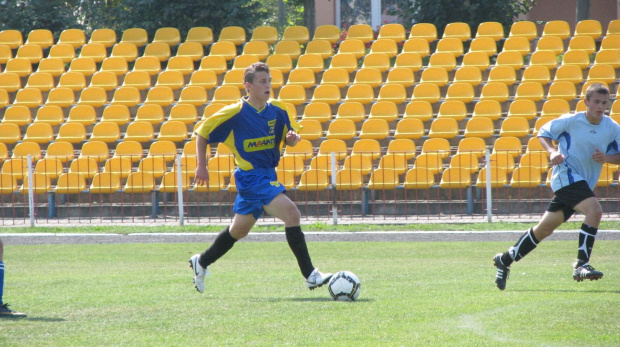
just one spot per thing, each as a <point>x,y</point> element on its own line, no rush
<point>255,188</point>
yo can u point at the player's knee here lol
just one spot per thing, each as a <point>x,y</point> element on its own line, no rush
<point>238,233</point>
<point>293,217</point>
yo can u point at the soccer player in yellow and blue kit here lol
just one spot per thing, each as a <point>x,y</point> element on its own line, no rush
<point>255,129</point>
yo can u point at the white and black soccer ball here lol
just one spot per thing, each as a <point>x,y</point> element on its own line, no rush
<point>344,286</point>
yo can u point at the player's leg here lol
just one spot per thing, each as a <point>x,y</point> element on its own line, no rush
<point>593,212</point>
<point>5,311</point>
<point>284,209</point>
<point>526,243</point>
<point>223,242</point>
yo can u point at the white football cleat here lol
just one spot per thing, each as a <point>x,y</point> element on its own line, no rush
<point>199,273</point>
<point>317,279</point>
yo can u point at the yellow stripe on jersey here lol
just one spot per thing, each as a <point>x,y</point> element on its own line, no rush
<point>241,163</point>
<point>218,118</point>
<point>296,126</point>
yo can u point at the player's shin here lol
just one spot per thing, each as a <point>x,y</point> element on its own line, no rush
<point>223,243</point>
<point>297,241</point>
<point>525,245</point>
<point>587,234</point>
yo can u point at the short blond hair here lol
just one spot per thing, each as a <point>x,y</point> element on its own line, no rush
<point>596,88</point>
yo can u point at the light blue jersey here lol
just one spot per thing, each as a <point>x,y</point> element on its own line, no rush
<point>577,140</point>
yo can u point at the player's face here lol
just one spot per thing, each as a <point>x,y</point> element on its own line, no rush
<point>260,88</point>
<point>596,106</point>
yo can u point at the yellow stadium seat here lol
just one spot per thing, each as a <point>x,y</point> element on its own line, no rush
<point>339,147</point>
<point>570,73</point>
<point>267,34</point>
<point>281,62</point>
<point>297,33</point>
<point>83,65</point>
<point>29,97</point>
<point>419,46</point>
<point>491,109</point>
<point>382,179</point>
<point>367,147</point>
<point>312,129</point>
<point>41,184</point>
<point>83,114</point>
<point>524,108</point>
<point>289,163</point>
<point>495,91</point>
<point>151,113</point>
<point>294,94</point>
<point>358,162</point>
<point>530,91</point>
<point>493,30</point>
<point>608,57</point>
<point>16,167</point>
<point>402,76</point>
<point>351,110</point>
<point>445,60</point>
<point>499,178</point>
<point>429,161</point>
<point>314,62</point>
<point>370,76</point>
<point>159,50</point>
<point>5,53</point>
<point>343,129</point>
<point>319,111</point>
<point>445,128</point>
<point>64,52</point>
<point>537,160</point>
<point>60,150</point>
<point>379,61</point>
<point>536,74</point>
<point>139,182</point>
<point>419,178</point>
<point>526,29</point>
<point>41,133</point>
<point>129,149</point>
<point>313,180</point>
<point>72,133</point>
<point>473,145</point>
<point>136,36</point>
<point>576,57</point>
<point>550,43</point>
<point>485,45</point>
<point>94,96</point>
<point>544,58</point>
<point>116,113</point>
<point>384,109</point>
<point>31,52</point>
<point>455,178</point>
<point>202,35</point>
<point>525,177</point>
<point>106,132</point>
<point>394,161</point>
<point>164,149</point>
<point>24,149</point>
<point>70,183</point>
<point>349,180</point>
<point>347,61</point>
<point>19,66</point>
<point>392,92</point>
<point>584,43</point>
<point>362,93</point>
<point>454,109</point>
<point>435,75</point>
<point>320,47</point>
<point>426,31</point>
<point>149,64</point>
<point>11,82</point>
<point>8,184</point>
<point>76,81</point>
<point>139,131</point>
<point>555,108</point>
<point>377,129</point>
<point>458,30</point>
<point>510,58</point>
<point>601,73</point>
<point>404,147</point>
<point>18,114</point>
<point>41,37</point>
<point>438,146</point>
<point>385,46</point>
<point>11,38</point>
<point>193,50</point>
<point>362,32</point>
<point>611,42</point>
<point>503,74</point>
<point>193,95</point>
<point>562,90</point>
<point>125,50</point>
<point>508,144</point>
<point>330,33</point>
<point>117,65</point>
<point>61,96</point>
<point>479,127</point>
<point>409,128</point>
<point>393,31</point>
<point>428,92</point>
<point>559,28</point>
<point>468,74</point>
<point>167,35</point>
<point>460,92</point>
<point>160,95</point>
<point>479,60</point>
<point>104,36</point>
<point>589,27</point>
<point>51,115</point>
<point>105,183</point>
<point>233,34</point>
<point>517,44</point>
<point>336,76</point>
<point>303,149</point>
<point>352,46</point>
<point>450,45</point>
<point>172,130</point>
<point>515,126</point>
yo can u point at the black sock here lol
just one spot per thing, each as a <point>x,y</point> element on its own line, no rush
<point>223,243</point>
<point>297,241</point>
<point>525,245</point>
<point>586,242</point>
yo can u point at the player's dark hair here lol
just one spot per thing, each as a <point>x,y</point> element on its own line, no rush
<point>597,88</point>
<point>251,70</point>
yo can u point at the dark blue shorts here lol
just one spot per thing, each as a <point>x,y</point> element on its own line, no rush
<point>255,189</point>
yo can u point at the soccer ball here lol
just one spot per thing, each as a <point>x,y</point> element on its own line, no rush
<point>344,286</point>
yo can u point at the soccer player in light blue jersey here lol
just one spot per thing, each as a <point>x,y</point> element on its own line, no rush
<point>5,311</point>
<point>585,141</point>
<point>255,129</point>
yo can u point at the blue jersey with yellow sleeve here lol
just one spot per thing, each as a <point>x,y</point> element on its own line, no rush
<point>254,136</point>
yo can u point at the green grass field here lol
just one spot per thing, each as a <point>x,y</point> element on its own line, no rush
<point>413,294</point>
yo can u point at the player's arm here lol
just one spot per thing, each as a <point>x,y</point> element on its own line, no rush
<point>202,174</point>
<point>292,138</point>
<point>555,157</point>
<point>601,157</point>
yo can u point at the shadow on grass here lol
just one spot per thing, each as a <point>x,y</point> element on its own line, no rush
<point>307,299</point>
<point>569,291</point>
<point>45,319</point>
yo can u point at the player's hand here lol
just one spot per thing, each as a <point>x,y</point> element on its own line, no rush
<point>202,176</point>
<point>292,138</point>
<point>556,158</point>
<point>598,156</point>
